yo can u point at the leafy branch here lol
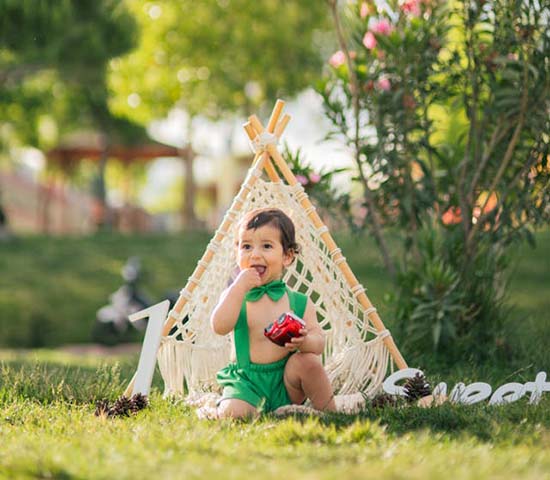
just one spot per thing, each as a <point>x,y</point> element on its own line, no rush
<point>354,91</point>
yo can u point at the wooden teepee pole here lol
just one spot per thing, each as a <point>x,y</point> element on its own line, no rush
<point>261,160</point>
<point>343,265</point>
<point>254,127</point>
<point>268,167</point>
<point>221,232</point>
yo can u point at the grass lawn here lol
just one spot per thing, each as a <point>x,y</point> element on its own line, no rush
<point>48,430</point>
<point>51,288</point>
<point>49,291</point>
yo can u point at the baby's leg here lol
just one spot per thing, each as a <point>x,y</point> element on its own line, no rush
<point>235,408</point>
<point>305,377</point>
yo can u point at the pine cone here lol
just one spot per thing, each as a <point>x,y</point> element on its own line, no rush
<point>383,400</point>
<point>138,402</point>
<point>417,387</point>
<point>102,408</point>
<point>121,407</point>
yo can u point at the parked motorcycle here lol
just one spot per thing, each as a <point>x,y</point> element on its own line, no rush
<point>112,325</point>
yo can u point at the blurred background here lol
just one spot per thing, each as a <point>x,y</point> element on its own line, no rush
<point>121,147</point>
<point>126,116</point>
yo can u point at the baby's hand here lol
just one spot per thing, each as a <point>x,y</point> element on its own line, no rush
<point>248,278</point>
<point>296,342</point>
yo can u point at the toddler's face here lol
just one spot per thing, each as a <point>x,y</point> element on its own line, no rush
<point>261,248</point>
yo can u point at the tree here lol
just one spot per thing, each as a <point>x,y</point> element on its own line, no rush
<point>68,41</point>
<point>53,58</point>
<point>215,58</point>
<point>446,107</point>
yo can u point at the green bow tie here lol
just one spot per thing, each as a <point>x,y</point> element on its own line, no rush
<point>274,290</point>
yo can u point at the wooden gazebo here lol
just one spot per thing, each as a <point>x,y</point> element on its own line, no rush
<point>91,146</point>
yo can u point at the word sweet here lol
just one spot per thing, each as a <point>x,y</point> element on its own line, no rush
<point>474,392</point>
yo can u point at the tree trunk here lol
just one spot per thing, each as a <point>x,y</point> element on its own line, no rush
<point>45,205</point>
<point>103,216</point>
<point>4,229</point>
<point>189,219</point>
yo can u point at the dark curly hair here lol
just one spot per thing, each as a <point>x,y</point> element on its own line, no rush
<point>277,218</point>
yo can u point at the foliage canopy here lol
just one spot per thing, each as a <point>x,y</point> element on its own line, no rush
<point>217,57</point>
<point>53,58</point>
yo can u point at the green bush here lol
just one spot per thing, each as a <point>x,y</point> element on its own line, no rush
<point>445,108</point>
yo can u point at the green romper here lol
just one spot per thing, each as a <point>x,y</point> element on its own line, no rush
<point>260,384</point>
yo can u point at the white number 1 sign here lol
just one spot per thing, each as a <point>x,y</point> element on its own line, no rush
<point>148,358</point>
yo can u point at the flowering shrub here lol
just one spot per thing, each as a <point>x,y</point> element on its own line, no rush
<point>446,108</point>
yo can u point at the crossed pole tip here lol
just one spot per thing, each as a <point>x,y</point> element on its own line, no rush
<point>275,114</point>
<point>276,125</point>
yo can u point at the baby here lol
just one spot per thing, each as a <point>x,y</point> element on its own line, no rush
<point>264,375</point>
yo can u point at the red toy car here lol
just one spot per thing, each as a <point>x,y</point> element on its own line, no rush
<point>286,327</point>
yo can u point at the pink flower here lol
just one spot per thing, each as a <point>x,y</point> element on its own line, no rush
<point>302,180</point>
<point>382,27</point>
<point>412,7</point>
<point>314,177</point>
<point>384,84</point>
<point>364,11</point>
<point>369,40</point>
<point>337,59</point>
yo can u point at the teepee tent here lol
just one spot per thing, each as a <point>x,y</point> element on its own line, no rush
<point>359,349</point>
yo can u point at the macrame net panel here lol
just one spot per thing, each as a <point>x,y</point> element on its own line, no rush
<point>355,356</point>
